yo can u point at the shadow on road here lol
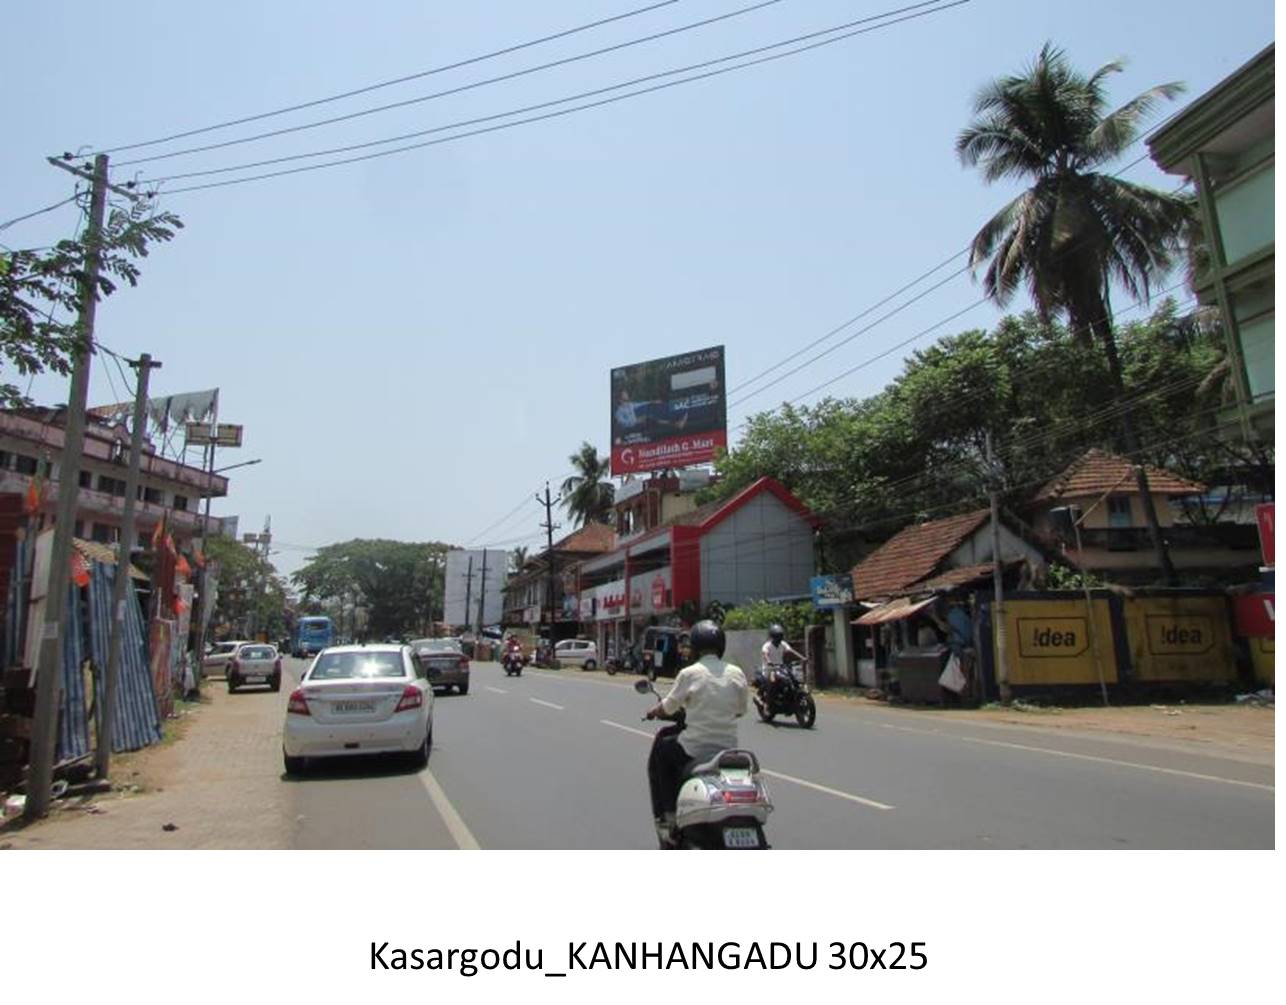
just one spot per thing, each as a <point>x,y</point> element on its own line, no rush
<point>357,766</point>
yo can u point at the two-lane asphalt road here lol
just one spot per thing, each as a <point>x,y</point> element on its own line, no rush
<point>557,760</point>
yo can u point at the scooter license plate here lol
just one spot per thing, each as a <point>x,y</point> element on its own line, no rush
<point>740,837</point>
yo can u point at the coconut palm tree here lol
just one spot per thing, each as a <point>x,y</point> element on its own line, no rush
<point>1076,230</point>
<point>519,557</point>
<point>587,495</point>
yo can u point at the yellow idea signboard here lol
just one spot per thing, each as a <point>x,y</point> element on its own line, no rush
<point>1180,639</point>
<point>1054,642</point>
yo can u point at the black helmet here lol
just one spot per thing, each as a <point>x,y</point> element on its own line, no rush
<point>706,638</point>
<point>776,633</point>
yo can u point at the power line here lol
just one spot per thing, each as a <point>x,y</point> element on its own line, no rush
<point>559,113</point>
<point>34,213</point>
<point>450,91</point>
<point>390,83</point>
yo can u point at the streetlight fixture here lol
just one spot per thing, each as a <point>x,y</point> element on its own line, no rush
<point>219,471</point>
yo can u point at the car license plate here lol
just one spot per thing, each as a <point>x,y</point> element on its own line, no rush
<point>740,837</point>
<point>256,678</point>
<point>354,706</point>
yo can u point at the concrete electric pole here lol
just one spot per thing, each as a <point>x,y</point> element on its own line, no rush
<point>997,576</point>
<point>49,661</point>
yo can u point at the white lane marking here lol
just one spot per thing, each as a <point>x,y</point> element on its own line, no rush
<point>829,791</point>
<point>777,774</point>
<point>460,833</point>
<point>547,704</point>
<point>1123,764</point>
<point>497,690</point>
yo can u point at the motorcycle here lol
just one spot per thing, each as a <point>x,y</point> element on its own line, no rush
<point>786,693</point>
<point>723,803</point>
<point>513,662</point>
<point>629,663</point>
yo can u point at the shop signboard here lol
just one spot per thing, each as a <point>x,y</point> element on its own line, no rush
<point>832,591</point>
<point>669,413</point>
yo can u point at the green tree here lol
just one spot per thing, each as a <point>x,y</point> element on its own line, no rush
<point>401,583</point>
<point>587,494</point>
<point>1077,230</point>
<point>40,292</point>
<point>249,589</point>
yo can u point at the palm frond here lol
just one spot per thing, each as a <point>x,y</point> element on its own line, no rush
<point>1115,132</point>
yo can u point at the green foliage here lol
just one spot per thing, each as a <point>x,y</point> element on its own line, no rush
<point>587,494</point>
<point>249,590</point>
<point>1064,577</point>
<point>402,584</point>
<point>869,467</point>
<point>40,292</point>
<point>760,614</point>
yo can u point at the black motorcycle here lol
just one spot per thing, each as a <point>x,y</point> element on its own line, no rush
<point>513,662</point>
<point>786,693</point>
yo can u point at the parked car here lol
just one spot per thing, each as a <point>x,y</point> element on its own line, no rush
<point>216,659</point>
<point>445,661</point>
<point>372,699</point>
<point>577,652</point>
<point>254,663</point>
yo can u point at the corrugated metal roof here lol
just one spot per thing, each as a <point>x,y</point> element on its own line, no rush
<point>96,552</point>
<point>894,610</point>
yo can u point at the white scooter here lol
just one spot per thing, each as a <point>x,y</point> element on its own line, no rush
<point>723,803</point>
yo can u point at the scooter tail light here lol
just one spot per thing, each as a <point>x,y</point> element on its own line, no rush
<point>747,794</point>
<point>298,703</point>
<point>411,698</point>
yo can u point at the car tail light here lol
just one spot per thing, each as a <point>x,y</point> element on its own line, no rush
<point>463,663</point>
<point>298,703</point>
<point>411,698</point>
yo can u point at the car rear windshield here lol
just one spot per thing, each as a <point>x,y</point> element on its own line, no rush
<point>224,647</point>
<point>258,653</point>
<point>437,646</point>
<point>357,666</point>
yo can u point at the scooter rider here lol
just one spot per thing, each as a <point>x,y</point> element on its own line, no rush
<point>773,657</point>
<point>713,695</point>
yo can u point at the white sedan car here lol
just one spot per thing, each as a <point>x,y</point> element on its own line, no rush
<point>360,700</point>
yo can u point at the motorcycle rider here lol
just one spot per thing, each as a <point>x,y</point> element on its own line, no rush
<point>512,648</point>
<point>772,658</point>
<point>713,695</point>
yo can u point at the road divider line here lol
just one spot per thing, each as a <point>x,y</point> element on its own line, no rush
<point>547,704</point>
<point>1119,763</point>
<point>458,829</point>
<point>498,690</point>
<point>838,793</point>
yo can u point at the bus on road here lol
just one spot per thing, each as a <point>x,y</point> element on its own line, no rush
<point>311,635</point>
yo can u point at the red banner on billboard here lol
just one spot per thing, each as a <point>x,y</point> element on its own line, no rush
<point>675,452</point>
<point>1254,615</point>
<point>1264,517</point>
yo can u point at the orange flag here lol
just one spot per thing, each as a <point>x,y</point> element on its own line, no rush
<point>182,567</point>
<point>34,497</point>
<point>79,570</point>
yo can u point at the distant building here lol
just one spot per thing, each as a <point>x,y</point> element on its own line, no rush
<point>31,445</point>
<point>526,594</point>
<point>1115,537</point>
<point>1224,143</point>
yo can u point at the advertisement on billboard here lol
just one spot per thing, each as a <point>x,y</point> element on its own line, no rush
<point>669,413</point>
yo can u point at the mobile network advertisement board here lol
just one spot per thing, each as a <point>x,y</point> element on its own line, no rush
<point>669,412</point>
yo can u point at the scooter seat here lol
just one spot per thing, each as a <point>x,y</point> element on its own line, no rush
<point>736,760</point>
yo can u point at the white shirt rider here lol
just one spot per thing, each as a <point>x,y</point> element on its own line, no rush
<point>773,654</point>
<point>714,695</point>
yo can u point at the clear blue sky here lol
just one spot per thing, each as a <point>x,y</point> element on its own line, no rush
<point>415,342</point>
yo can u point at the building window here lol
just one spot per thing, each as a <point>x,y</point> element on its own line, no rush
<point>6,460</point>
<point>180,502</point>
<point>86,479</point>
<point>153,496</point>
<point>144,541</point>
<point>102,533</point>
<point>25,465</point>
<point>113,486</point>
<point>79,529</point>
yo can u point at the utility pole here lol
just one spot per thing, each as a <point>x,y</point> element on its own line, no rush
<point>468,591</point>
<point>49,661</point>
<point>120,584</point>
<point>997,576</point>
<point>261,586</point>
<point>482,594</point>
<point>548,503</point>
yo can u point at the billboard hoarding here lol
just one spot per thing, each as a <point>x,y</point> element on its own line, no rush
<point>669,412</point>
